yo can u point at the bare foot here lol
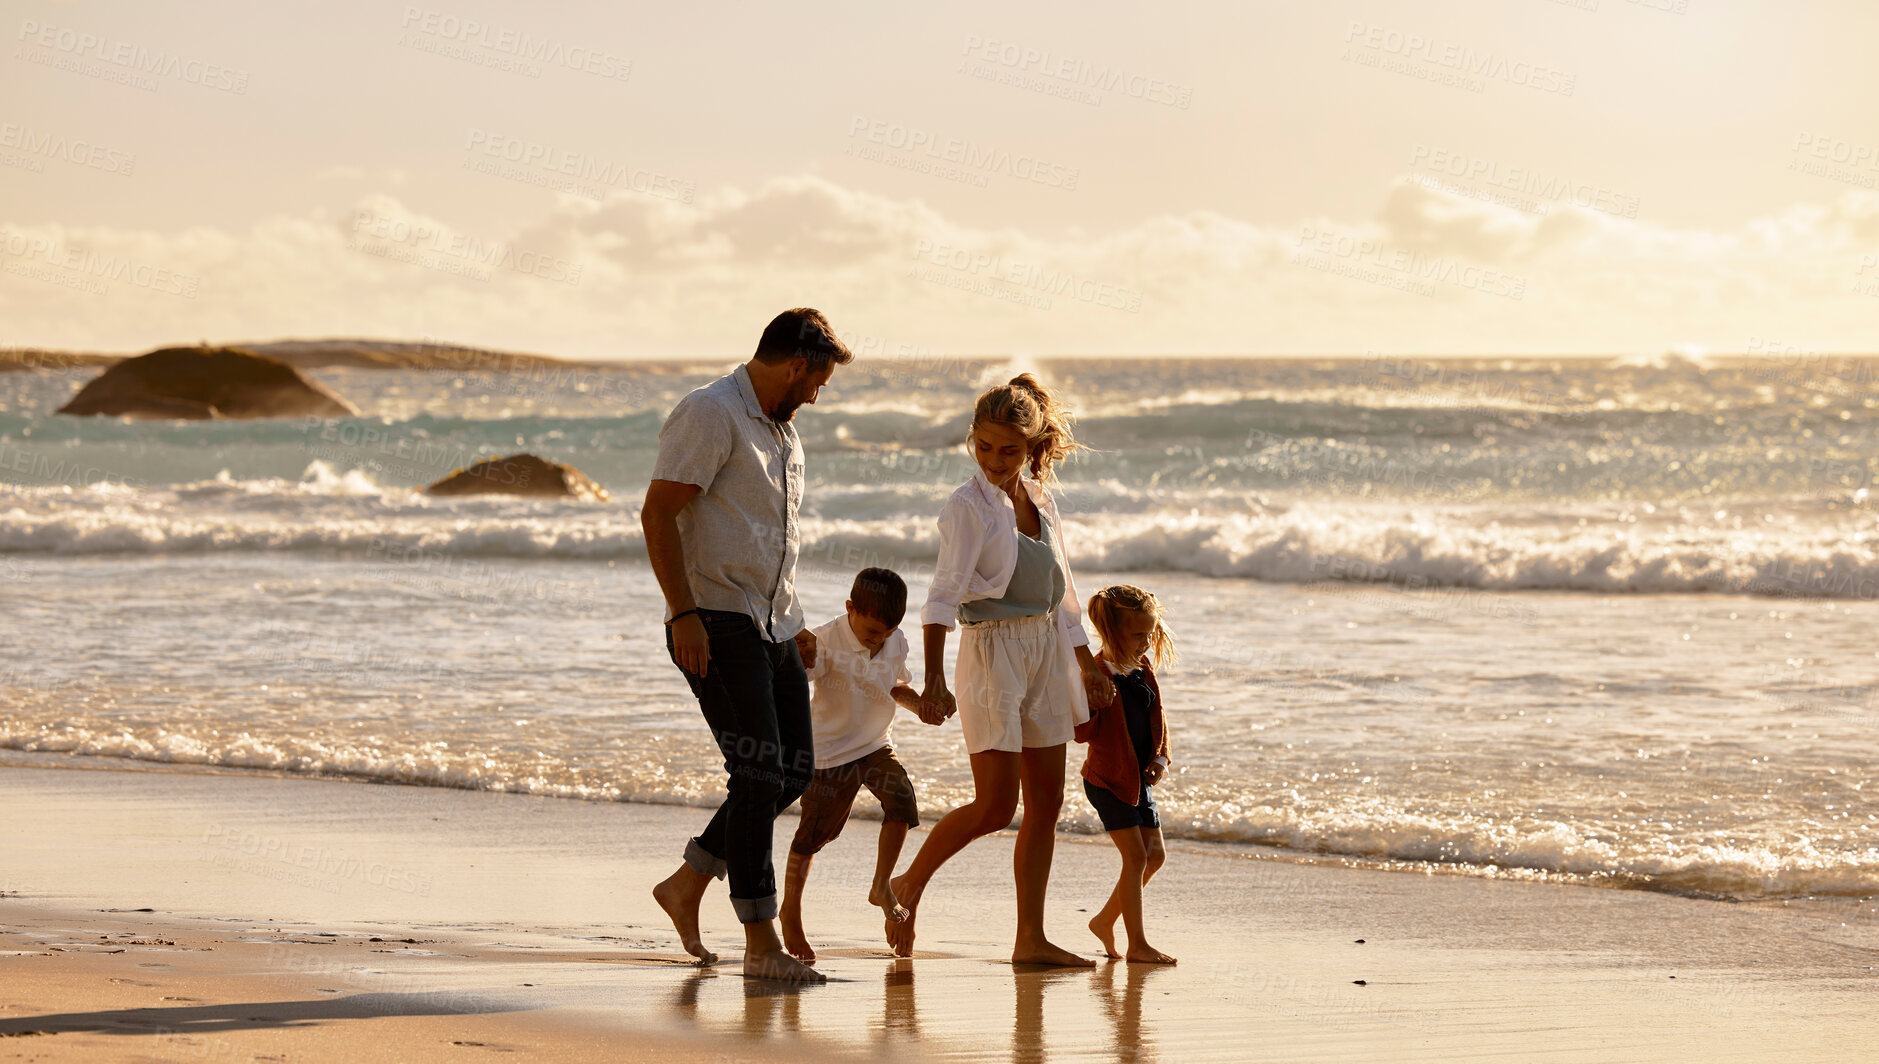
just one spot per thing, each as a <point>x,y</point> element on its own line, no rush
<point>882,894</point>
<point>679,895</point>
<point>1146,954</point>
<point>793,939</point>
<point>778,965</point>
<point>900,932</point>
<point>1106,931</point>
<point>1043,952</point>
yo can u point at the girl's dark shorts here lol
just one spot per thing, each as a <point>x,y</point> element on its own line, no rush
<point>1117,814</point>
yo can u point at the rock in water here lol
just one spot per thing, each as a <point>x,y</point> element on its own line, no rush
<point>520,474</point>
<point>205,382</point>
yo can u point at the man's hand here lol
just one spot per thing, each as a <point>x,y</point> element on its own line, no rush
<point>691,647</point>
<point>806,646</point>
<point>1153,773</point>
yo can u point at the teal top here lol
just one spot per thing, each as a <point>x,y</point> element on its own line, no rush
<point>1036,582</point>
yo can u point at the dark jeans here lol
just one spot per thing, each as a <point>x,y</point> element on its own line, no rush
<point>755,697</point>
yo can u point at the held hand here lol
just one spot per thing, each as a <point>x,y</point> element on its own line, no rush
<point>939,698</point>
<point>691,647</point>
<point>1097,685</point>
<point>806,646</point>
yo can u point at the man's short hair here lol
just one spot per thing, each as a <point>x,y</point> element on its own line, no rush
<point>881,594</point>
<point>802,332</point>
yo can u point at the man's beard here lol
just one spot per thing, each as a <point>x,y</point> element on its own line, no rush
<point>787,407</point>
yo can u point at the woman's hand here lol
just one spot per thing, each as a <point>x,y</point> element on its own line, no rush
<point>939,699</point>
<point>691,647</point>
<point>932,712</point>
<point>1097,684</point>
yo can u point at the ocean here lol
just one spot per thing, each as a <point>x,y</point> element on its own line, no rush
<point>1599,620</point>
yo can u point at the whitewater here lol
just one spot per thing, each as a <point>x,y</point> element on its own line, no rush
<point>1602,620</point>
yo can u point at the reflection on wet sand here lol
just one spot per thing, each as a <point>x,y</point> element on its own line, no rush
<point>967,994</point>
<point>900,1015</point>
<point>772,1008</point>
<point>1133,1043</point>
<point>1027,1032</point>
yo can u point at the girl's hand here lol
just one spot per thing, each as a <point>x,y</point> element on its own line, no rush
<point>1097,685</point>
<point>1153,773</point>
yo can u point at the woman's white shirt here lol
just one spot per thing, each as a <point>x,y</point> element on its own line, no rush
<point>978,552</point>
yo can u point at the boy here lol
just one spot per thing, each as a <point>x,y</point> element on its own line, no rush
<point>858,663</point>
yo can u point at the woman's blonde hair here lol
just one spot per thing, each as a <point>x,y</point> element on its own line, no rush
<point>1107,607</point>
<point>1025,405</point>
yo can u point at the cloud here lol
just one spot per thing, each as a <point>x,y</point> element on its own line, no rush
<point>1432,270</point>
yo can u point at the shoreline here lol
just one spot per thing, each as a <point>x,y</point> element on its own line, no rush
<point>1860,906</point>
<point>535,927</point>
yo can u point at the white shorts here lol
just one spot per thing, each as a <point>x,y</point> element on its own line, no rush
<point>1012,684</point>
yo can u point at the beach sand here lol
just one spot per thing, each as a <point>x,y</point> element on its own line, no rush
<point>187,915</point>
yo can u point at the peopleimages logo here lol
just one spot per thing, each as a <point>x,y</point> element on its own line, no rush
<point>569,171</point>
<point>1029,277</point>
<point>517,44</point>
<point>1458,57</point>
<point>965,154</point>
<point>33,142</point>
<point>1543,188</point>
<point>85,267</point>
<point>132,58</point>
<point>1075,73</point>
<point>434,248</point>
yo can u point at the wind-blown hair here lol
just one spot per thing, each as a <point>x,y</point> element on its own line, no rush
<point>1026,405</point>
<point>1107,608</point>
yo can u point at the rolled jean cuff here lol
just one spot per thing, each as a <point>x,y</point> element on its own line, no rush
<point>754,910</point>
<point>703,862</point>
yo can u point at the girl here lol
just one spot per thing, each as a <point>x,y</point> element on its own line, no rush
<point>1026,676</point>
<point>1128,739</point>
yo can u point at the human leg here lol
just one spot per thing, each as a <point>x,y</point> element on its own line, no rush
<point>765,956</point>
<point>994,801</point>
<point>887,778</point>
<point>1154,853</point>
<point>826,804</point>
<point>1125,900</point>
<point>1041,778</point>
<point>758,717</point>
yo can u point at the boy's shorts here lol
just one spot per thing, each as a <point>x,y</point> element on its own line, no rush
<point>1117,814</point>
<point>831,795</point>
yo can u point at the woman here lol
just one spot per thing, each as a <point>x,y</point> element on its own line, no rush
<point>1025,674</point>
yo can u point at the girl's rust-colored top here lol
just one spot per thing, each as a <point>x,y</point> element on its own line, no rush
<point>1112,763</point>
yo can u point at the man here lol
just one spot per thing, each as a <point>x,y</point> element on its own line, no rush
<point>722,537</point>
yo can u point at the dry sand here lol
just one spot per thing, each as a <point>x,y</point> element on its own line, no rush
<point>160,915</point>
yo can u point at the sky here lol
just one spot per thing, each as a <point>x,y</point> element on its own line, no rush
<point>632,180</point>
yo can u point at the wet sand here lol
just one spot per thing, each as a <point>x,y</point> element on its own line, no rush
<point>228,916</point>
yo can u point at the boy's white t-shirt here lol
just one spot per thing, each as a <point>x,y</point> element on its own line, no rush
<point>853,706</point>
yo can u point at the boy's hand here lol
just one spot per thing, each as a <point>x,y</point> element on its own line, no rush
<point>806,646</point>
<point>931,712</point>
<point>940,698</point>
